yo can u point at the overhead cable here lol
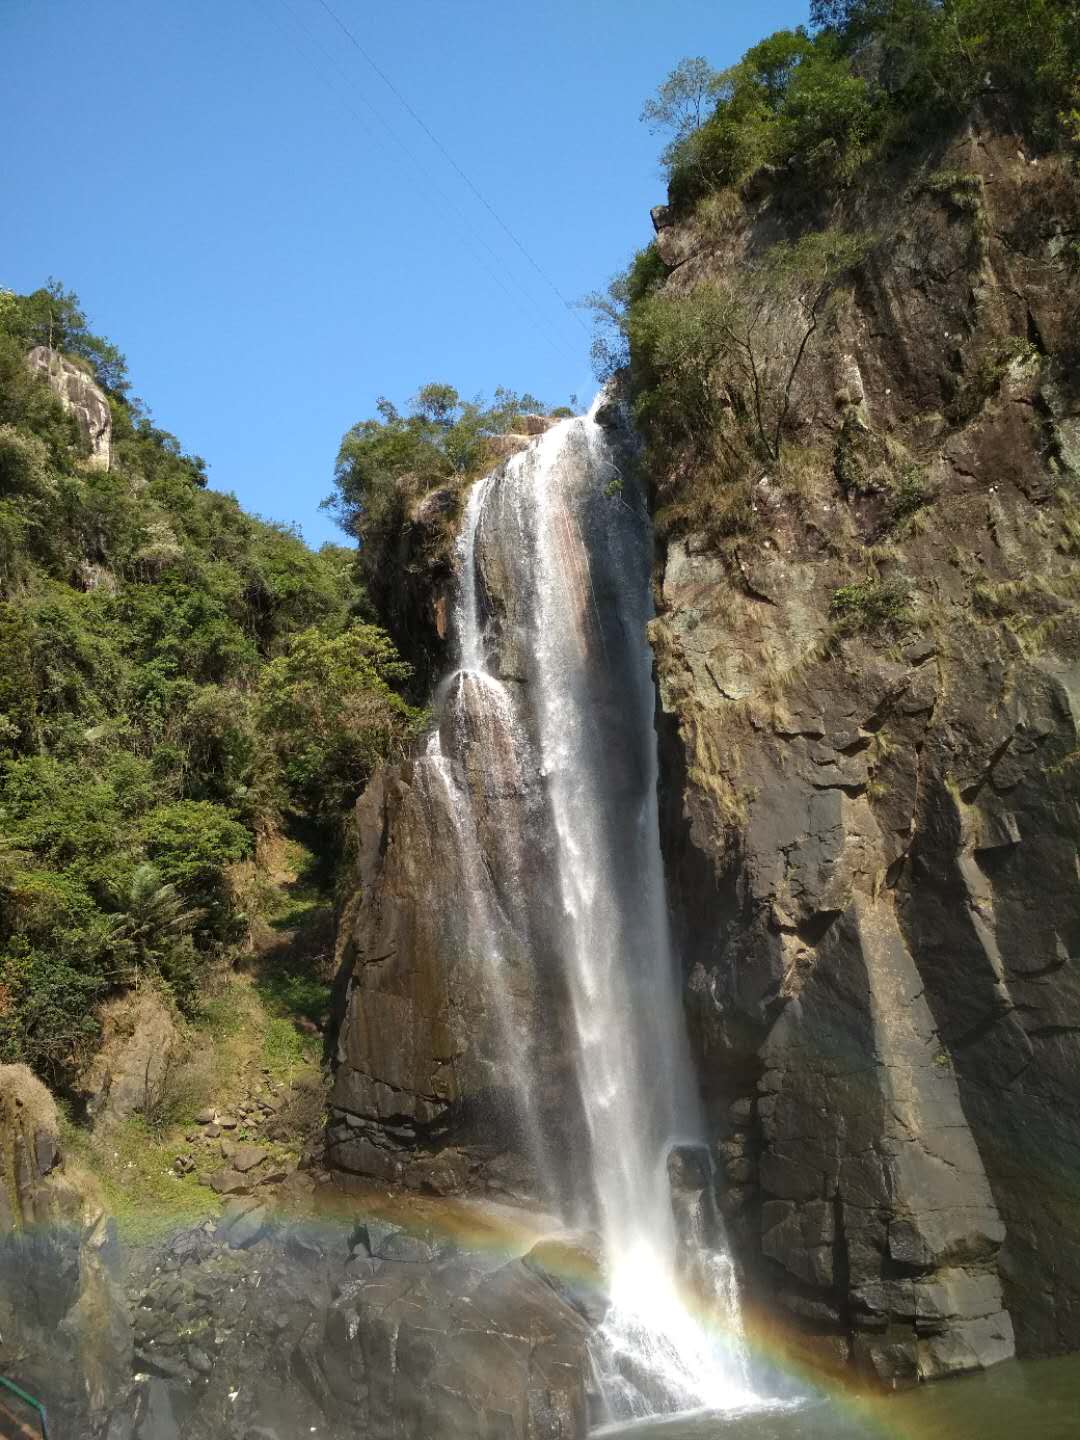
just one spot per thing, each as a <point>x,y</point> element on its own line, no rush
<point>569,305</point>
<point>535,319</point>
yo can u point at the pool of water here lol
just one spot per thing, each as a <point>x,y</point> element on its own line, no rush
<point>1036,1398</point>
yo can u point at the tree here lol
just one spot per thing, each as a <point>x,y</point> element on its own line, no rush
<point>610,349</point>
<point>387,463</point>
<point>53,316</point>
<point>330,706</point>
<point>685,99</point>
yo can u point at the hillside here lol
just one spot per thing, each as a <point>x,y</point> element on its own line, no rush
<point>190,700</point>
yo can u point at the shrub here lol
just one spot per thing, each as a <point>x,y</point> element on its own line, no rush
<point>332,712</point>
<point>871,605</point>
<point>193,842</point>
<point>716,372</point>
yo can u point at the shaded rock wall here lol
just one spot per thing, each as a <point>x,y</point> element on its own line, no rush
<point>871,836</point>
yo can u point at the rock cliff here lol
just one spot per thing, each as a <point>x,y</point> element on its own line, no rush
<point>868,695</point>
<point>81,397</point>
<point>869,724</point>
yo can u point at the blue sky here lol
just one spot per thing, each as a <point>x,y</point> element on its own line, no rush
<point>246,209</point>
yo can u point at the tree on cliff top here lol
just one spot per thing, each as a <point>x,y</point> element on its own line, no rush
<point>53,316</point>
<point>389,462</point>
<point>872,74</point>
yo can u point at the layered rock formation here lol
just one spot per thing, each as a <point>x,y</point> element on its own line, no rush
<point>871,820</point>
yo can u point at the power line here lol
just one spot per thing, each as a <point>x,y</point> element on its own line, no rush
<point>537,318</point>
<point>451,161</point>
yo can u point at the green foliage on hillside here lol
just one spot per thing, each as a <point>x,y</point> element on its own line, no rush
<point>715,367</point>
<point>177,680</point>
<point>872,74</point>
<point>387,464</point>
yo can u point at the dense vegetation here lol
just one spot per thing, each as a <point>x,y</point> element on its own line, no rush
<point>811,116</point>
<point>869,76</point>
<point>179,683</point>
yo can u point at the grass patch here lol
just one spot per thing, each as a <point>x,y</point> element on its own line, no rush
<point>236,1038</point>
<point>140,1188</point>
<point>285,1049</point>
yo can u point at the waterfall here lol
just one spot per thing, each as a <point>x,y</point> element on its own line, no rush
<point>554,681</point>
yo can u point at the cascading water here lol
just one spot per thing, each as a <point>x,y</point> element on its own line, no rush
<point>557,682</point>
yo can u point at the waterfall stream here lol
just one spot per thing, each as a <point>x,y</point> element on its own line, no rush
<point>553,681</point>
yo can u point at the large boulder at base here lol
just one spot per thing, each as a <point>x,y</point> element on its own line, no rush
<point>81,397</point>
<point>451,1354</point>
<point>302,1331</point>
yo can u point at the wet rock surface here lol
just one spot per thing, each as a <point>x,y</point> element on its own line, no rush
<point>63,1322</point>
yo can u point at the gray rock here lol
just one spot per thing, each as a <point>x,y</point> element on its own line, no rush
<point>248,1228</point>
<point>247,1157</point>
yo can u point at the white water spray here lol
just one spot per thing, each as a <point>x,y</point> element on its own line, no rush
<point>575,562</point>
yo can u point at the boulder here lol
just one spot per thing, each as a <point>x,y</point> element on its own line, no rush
<point>501,447</point>
<point>536,424</point>
<point>139,1051</point>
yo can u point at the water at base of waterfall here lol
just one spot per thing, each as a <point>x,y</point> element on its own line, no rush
<point>558,683</point>
<point>1039,1399</point>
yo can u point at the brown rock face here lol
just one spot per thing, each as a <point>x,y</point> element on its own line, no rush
<point>871,826</point>
<point>419,1097</point>
<point>81,397</point>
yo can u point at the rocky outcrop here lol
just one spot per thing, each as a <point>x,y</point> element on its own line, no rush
<point>80,397</point>
<point>871,814</point>
<point>420,1097</point>
<point>64,1335</point>
<point>130,1072</point>
<point>276,1329</point>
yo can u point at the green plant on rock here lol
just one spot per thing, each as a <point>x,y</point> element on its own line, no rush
<point>154,921</point>
<point>962,188</point>
<point>987,375</point>
<point>871,606</point>
<point>910,493</point>
<point>716,372</point>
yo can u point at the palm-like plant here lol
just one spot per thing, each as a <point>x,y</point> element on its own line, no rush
<point>156,916</point>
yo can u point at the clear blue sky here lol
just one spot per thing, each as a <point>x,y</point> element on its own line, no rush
<point>211,179</point>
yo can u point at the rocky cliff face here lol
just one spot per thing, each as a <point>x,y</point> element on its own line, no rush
<point>871,816</point>
<point>869,802</point>
<point>80,397</point>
